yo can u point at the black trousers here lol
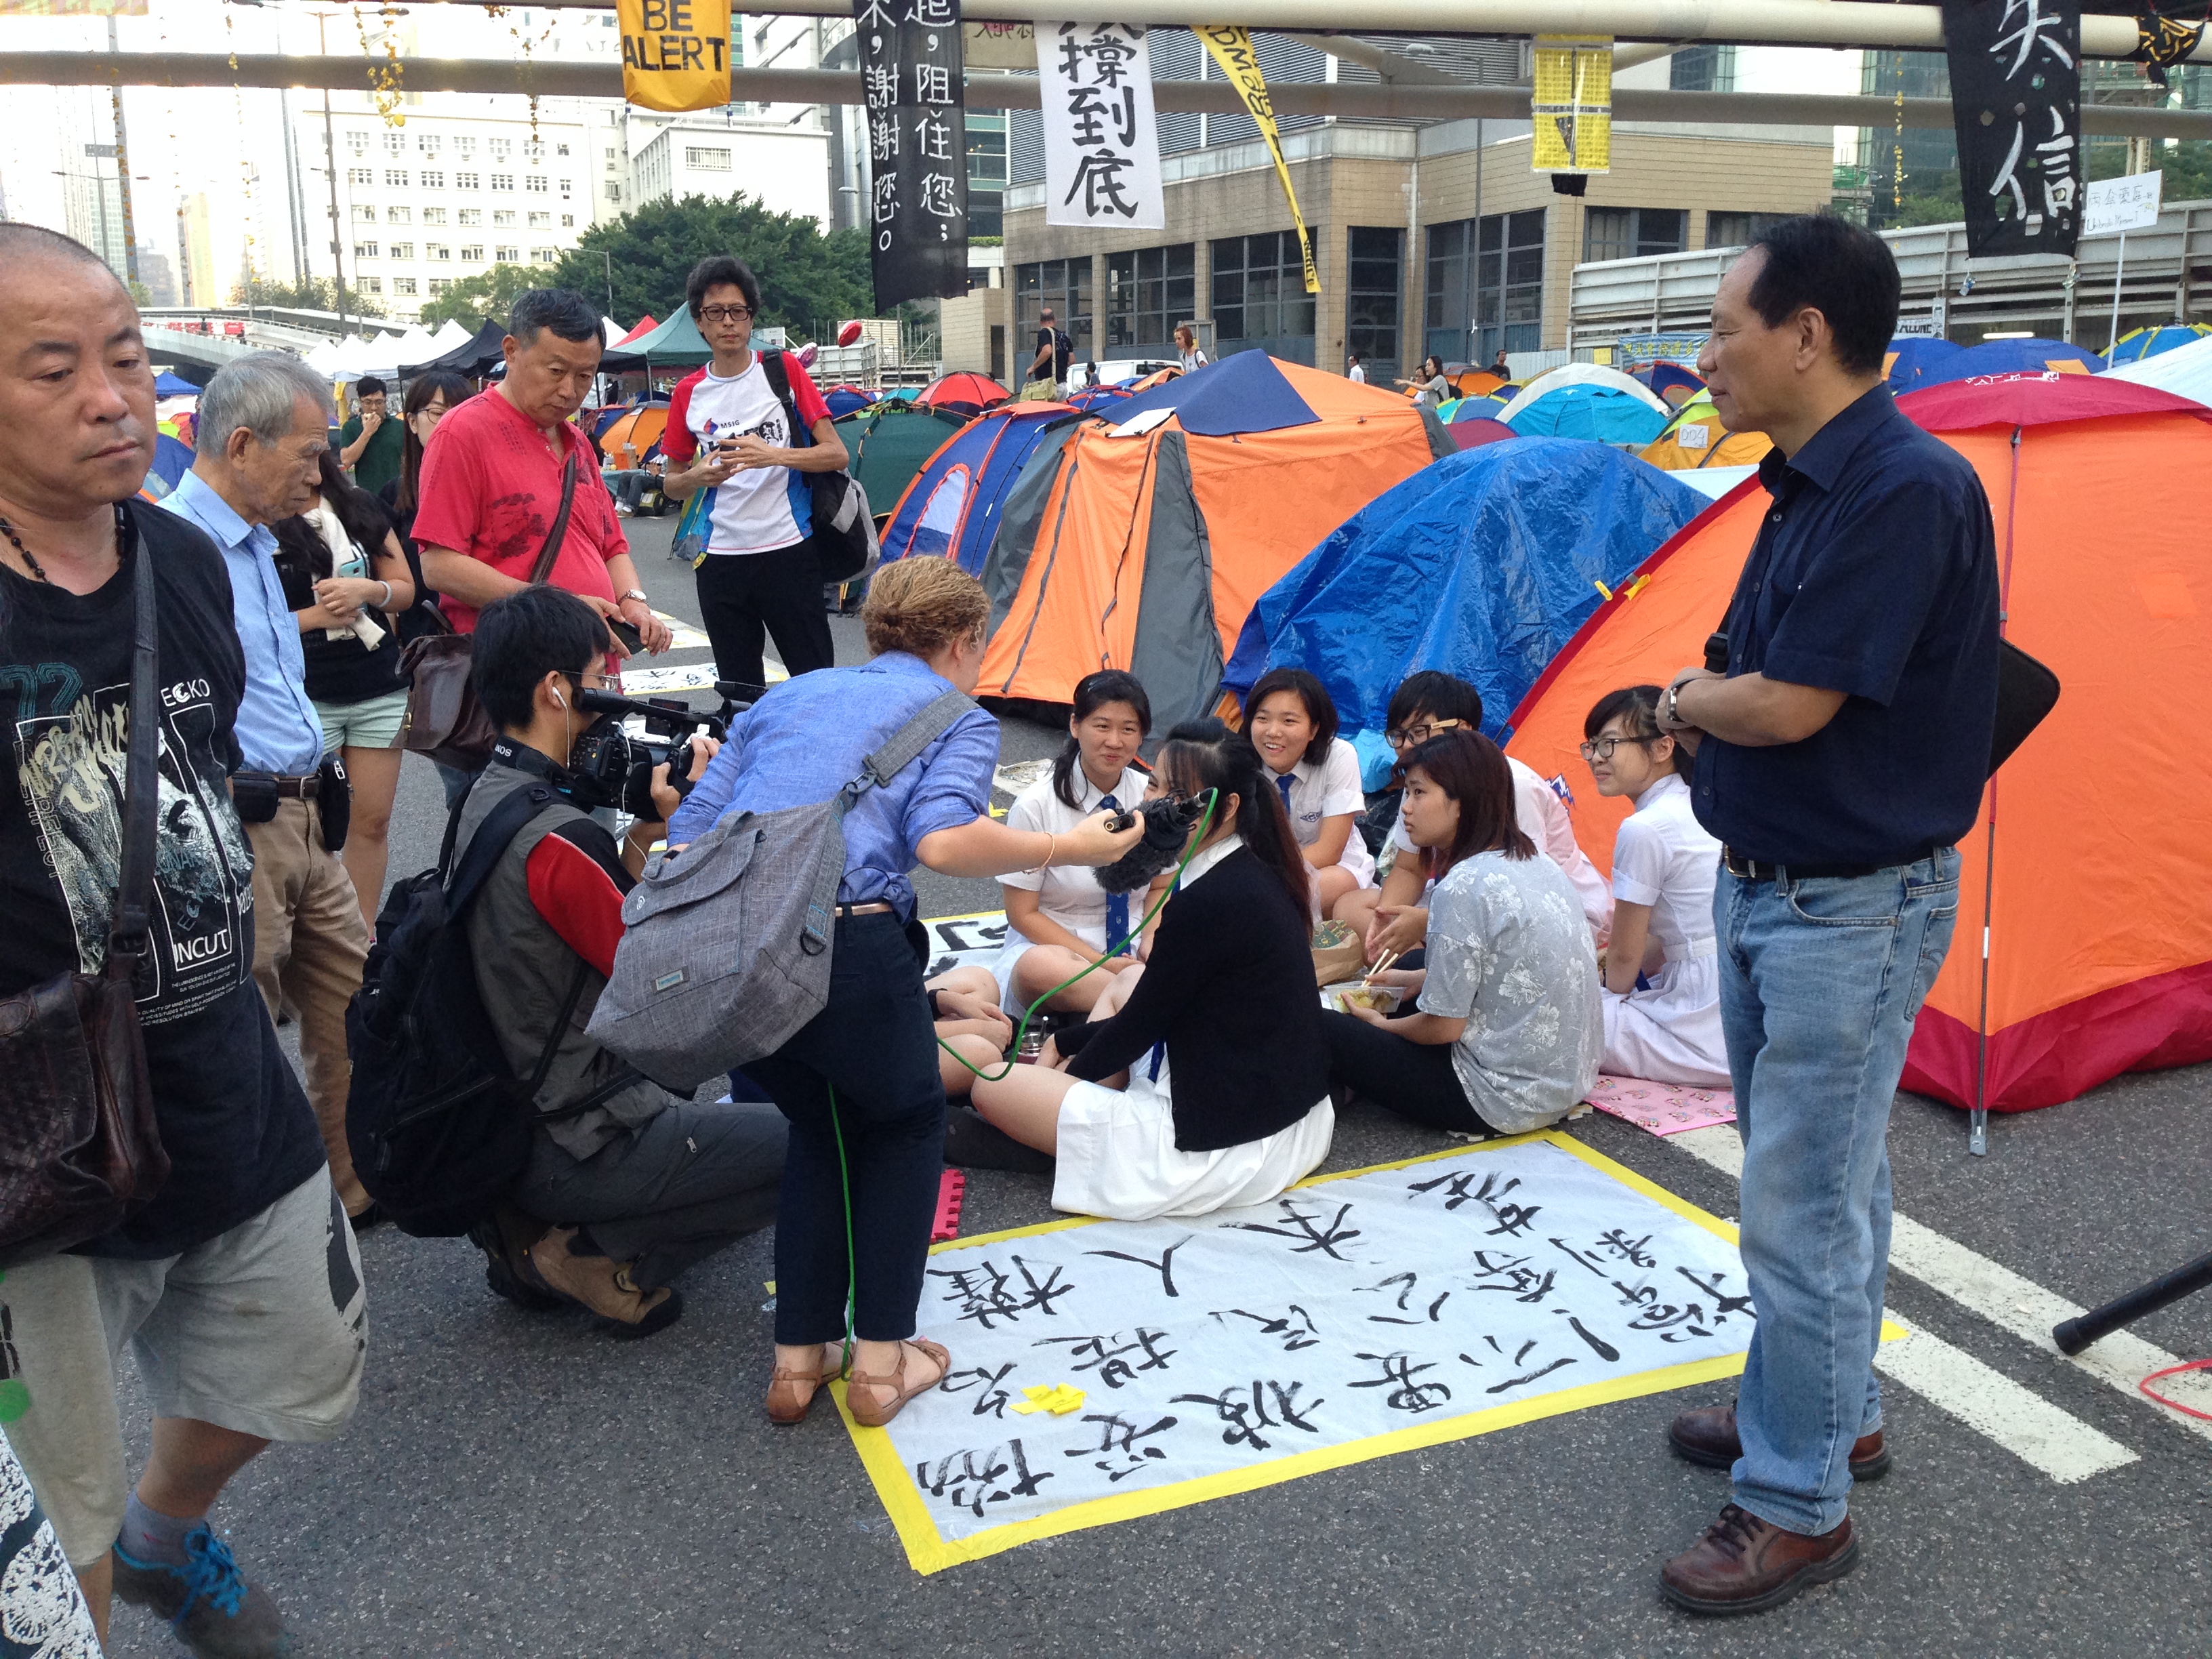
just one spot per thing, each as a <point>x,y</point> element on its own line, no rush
<point>1414,1079</point>
<point>744,596</point>
<point>873,1045</point>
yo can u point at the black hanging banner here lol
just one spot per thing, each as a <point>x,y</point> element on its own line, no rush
<point>2016,104</point>
<point>917,217</point>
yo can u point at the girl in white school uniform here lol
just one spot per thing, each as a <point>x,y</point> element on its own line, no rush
<point>1663,866</point>
<point>1058,919</point>
<point>1292,723</point>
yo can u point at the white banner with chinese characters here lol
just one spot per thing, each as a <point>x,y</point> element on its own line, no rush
<point>1102,147</point>
<point>2128,203</point>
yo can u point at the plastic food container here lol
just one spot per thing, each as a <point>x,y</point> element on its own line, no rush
<point>1384,999</point>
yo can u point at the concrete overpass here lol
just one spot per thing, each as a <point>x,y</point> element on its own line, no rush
<point>196,356</point>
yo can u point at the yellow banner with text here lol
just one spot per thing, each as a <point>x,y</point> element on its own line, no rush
<point>675,53</point>
<point>1232,49</point>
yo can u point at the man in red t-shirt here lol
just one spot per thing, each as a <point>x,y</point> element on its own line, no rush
<point>490,485</point>
<point>731,433</point>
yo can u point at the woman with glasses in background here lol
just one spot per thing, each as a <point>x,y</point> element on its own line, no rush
<point>735,432</point>
<point>1662,981</point>
<point>429,399</point>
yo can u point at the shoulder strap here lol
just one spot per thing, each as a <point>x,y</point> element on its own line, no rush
<point>779,380</point>
<point>492,837</point>
<point>130,926</point>
<point>929,724</point>
<point>558,533</point>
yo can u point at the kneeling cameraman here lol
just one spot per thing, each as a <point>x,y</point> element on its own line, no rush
<point>625,1187</point>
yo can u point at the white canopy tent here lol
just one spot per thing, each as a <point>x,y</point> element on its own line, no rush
<point>1568,374</point>
<point>2185,371</point>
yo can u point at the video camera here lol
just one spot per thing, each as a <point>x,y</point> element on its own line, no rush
<point>610,768</point>
<point>1167,824</point>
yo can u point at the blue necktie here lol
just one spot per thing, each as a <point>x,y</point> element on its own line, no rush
<point>1285,781</point>
<point>1117,904</point>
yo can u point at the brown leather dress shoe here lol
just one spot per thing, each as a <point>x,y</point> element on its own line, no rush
<point>1708,1436</point>
<point>604,1286</point>
<point>1745,1564</point>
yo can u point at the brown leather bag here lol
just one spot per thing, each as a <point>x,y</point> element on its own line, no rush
<point>79,1147</point>
<point>444,719</point>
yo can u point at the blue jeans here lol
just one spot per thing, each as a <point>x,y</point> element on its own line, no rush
<point>1821,981</point>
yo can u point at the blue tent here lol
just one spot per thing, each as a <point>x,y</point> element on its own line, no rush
<point>2139,344</point>
<point>1242,392</point>
<point>1914,357</point>
<point>844,400</point>
<point>1483,564</point>
<point>1603,414</point>
<point>172,461</point>
<point>167,384</point>
<point>952,507</point>
<point>2012,358</point>
<point>1092,397</point>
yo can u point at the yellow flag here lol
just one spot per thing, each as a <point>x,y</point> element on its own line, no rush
<point>1572,109</point>
<point>1232,50</point>
<point>675,53</point>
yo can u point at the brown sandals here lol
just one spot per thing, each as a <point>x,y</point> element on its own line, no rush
<point>790,1393</point>
<point>870,1415</point>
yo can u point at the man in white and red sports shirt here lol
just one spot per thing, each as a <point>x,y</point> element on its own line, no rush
<point>625,1187</point>
<point>733,431</point>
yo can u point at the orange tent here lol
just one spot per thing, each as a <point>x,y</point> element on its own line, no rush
<point>2089,885</point>
<point>635,432</point>
<point>1143,540</point>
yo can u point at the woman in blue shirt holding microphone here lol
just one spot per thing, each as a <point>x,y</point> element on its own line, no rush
<point>872,1044</point>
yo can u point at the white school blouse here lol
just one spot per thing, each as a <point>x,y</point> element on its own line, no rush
<point>1321,789</point>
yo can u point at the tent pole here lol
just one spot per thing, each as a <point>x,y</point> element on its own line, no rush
<point>1977,1118</point>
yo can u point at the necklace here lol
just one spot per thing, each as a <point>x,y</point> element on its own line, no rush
<point>37,571</point>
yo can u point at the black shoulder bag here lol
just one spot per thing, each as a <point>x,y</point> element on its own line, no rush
<point>844,530</point>
<point>79,1148</point>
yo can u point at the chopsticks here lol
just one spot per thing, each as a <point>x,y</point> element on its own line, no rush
<point>1380,965</point>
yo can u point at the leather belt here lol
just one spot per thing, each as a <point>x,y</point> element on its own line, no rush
<point>1753,870</point>
<point>285,788</point>
<point>876,907</point>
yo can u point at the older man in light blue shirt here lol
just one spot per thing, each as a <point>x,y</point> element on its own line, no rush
<point>263,427</point>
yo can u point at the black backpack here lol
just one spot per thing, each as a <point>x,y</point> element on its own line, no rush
<point>845,542</point>
<point>438,1122</point>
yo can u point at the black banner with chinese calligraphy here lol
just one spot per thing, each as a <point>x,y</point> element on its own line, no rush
<point>917,204</point>
<point>2016,104</point>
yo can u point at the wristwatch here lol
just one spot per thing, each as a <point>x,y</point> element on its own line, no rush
<point>635,593</point>
<point>1673,702</point>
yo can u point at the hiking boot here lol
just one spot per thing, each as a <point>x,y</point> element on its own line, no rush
<point>1745,1564</point>
<point>210,1608</point>
<point>1708,1436</point>
<point>505,1237</point>
<point>603,1285</point>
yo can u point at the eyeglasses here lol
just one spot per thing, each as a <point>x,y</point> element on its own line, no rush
<point>726,313</point>
<point>1405,737</point>
<point>1603,748</point>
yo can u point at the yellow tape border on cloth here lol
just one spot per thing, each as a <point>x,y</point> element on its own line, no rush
<point>928,1552</point>
<point>1231,46</point>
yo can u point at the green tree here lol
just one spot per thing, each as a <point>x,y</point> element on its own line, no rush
<point>316,293</point>
<point>491,295</point>
<point>808,281</point>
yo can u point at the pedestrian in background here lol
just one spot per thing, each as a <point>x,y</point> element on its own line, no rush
<point>1355,371</point>
<point>1187,349</point>
<point>370,440</point>
<point>430,396</point>
<point>263,421</point>
<point>748,427</point>
<point>237,1287</point>
<point>1838,758</point>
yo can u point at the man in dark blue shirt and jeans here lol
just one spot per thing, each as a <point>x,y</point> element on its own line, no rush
<point>1839,759</point>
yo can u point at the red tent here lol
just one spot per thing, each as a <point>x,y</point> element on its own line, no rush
<point>1473,434</point>
<point>964,393</point>
<point>644,328</point>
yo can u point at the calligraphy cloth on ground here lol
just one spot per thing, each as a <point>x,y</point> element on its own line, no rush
<point>1356,1316</point>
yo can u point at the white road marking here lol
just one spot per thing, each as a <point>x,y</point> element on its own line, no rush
<point>688,638</point>
<point>2013,1304</point>
<point>2025,1423</point>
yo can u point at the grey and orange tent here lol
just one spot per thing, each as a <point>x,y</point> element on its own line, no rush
<point>2083,871</point>
<point>1144,539</point>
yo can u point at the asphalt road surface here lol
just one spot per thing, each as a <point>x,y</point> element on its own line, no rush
<point>520,1484</point>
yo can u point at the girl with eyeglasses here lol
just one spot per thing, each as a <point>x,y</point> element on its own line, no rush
<point>734,432</point>
<point>1663,983</point>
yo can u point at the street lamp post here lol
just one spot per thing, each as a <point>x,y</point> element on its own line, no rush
<point>330,169</point>
<point>610,259</point>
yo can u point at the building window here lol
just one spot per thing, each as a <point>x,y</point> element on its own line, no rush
<point>364,214</point>
<point>1702,69</point>
<point>707,160</point>
<point>541,221</point>
<point>395,142</point>
<point>402,285</point>
<point>372,285</point>
<point>1739,229</point>
<point>502,148</point>
<point>471,216</point>
<point>560,149</point>
<point>437,250</point>
<point>467,181</point>
<point>428,143</point>
<point>1063,284</point>
<point>614,192</point>
<point>1260,294</point>
<point>464,146</point>
<point>502,216</point>
<point>508,255</point>
<point>433,179</point>
<point>357,142</point>
<point>534,151</point>
<point>433,215</point>
<point>1148,292</point>
<point>1372,299</point>
<point>361,175</point>
<point>545,256</point>
<point>565,188</point>
<point>610,158</point>
<point>568,221</point>
<point>1632,233</point>
<point>395,178</point>
<point>503,181</point>
<point>404,250</point>
<point>473,255</point>
<point>364,250</point>
<point>438,285</point>
<point>1485,286</point>
<point>398,216</point>
<point>537,184</point>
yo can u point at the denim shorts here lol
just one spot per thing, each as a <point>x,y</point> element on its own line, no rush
<point>373,724</point>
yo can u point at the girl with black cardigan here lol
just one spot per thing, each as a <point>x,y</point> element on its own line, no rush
<point>1226,1003</point>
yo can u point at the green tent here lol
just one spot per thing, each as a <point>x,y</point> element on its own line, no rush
<point>675,344</point>
<point>889,443</point>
